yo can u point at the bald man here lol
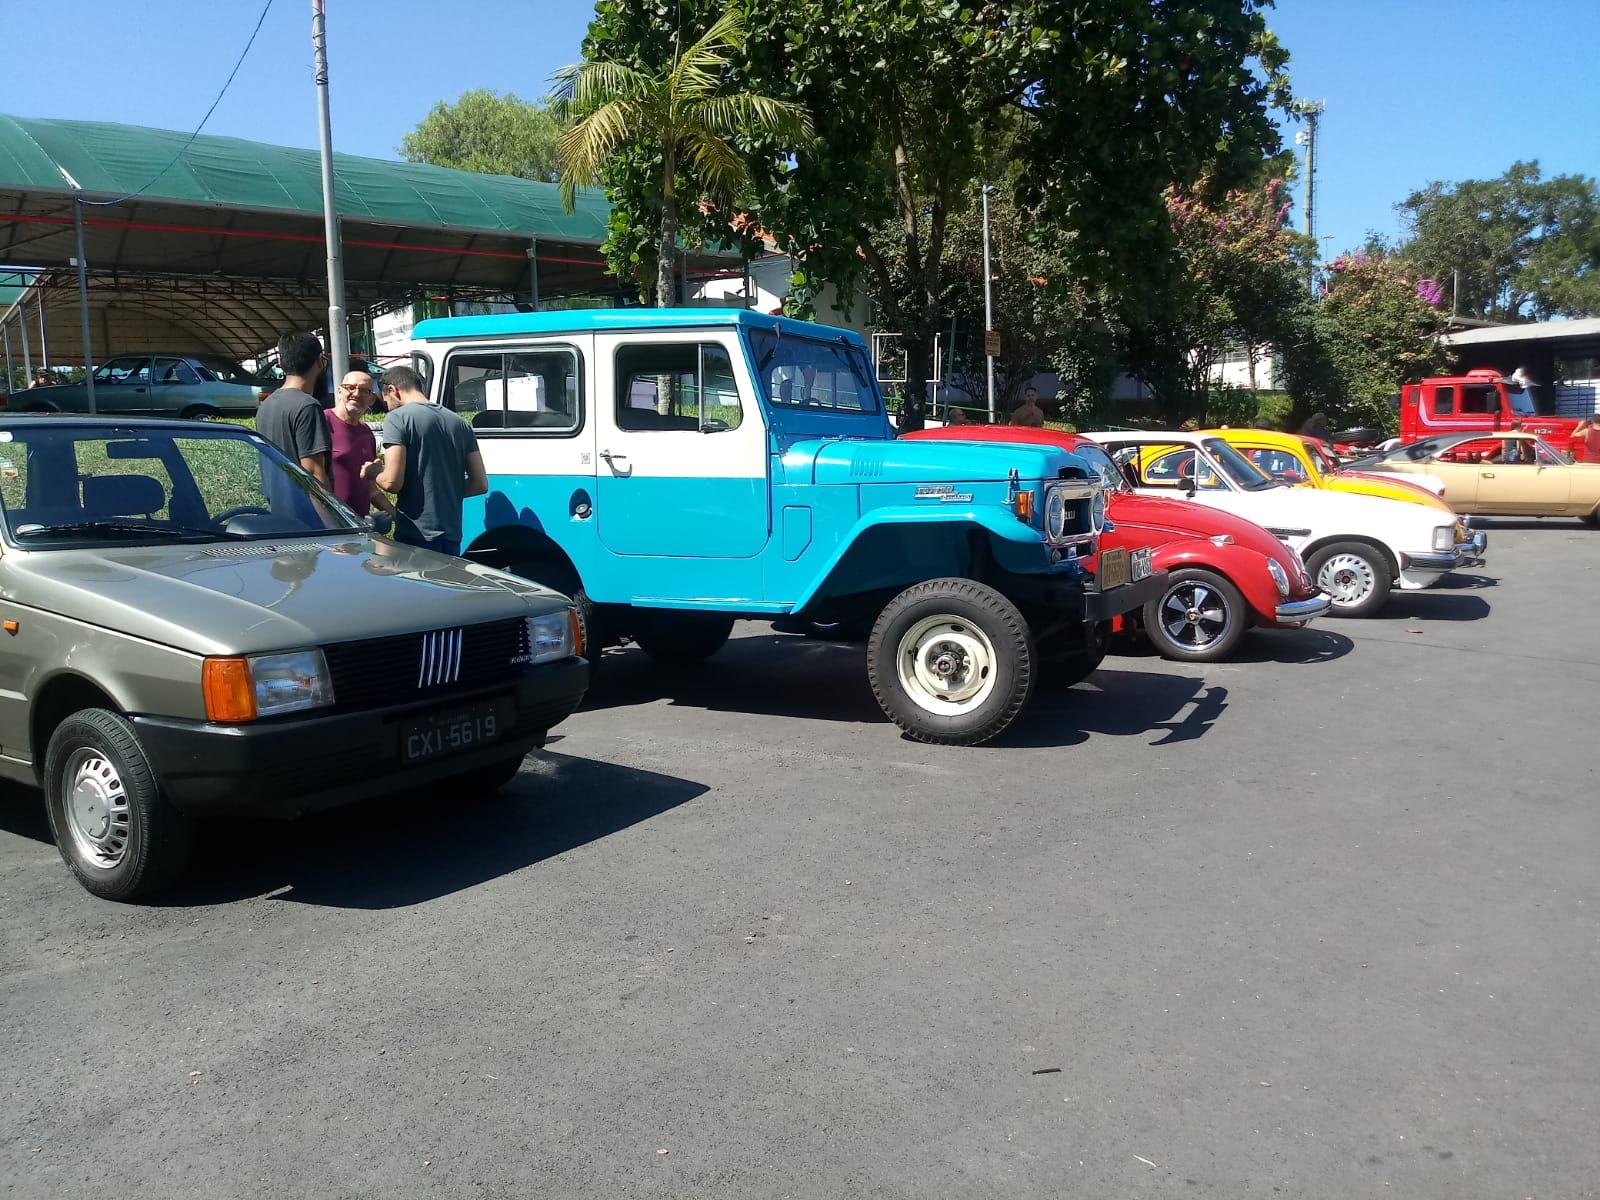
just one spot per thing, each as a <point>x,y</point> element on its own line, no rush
<point>354,445</point>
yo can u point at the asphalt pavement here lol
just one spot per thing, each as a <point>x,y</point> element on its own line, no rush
<point>1321,922</point>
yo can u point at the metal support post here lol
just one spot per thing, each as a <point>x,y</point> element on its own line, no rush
<point>988,301</point>
<point>5,331</point>
<point>533,272</point>
<point>44,342</point>
<point>83,304</point>
<point>27,346</point>
<point>338,325</point>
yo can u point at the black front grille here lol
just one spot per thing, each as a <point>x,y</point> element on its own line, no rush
<point>382,672</point>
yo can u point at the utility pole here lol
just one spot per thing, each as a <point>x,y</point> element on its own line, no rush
<point>988,302</point>
<point>1310,110</point>
<point>83,300</point>
<point>338,327</point>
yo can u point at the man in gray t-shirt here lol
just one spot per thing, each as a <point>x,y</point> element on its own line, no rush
<point>430,464</point>
<point>291,421</point>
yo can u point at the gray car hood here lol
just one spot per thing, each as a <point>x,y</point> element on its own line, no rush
<point>246,597</point>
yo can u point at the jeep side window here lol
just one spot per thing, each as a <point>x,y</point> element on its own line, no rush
<point>524,392</point>
<point>1444,401</point>
<point>661,385</point>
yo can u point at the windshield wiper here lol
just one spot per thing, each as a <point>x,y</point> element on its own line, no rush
<point>175,532</point>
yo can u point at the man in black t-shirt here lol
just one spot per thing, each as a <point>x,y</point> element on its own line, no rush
<point>291,419</point>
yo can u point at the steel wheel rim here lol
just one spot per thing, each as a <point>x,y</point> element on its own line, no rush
<point>99,819</point>
<point>1348,578</point>
<point>946,665</point>
<point>1195,615</point>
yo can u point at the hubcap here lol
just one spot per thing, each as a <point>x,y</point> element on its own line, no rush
<point>946,665</point>
<point>1195,615</point>
<point>1348,578</point>
<point>97,809</point>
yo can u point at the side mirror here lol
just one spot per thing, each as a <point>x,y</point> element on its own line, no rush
<point>713,426</point>
<point>381,523</point>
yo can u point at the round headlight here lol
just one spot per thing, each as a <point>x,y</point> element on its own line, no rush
<point>1097,511</point>
<point>1279,577</point>
<point>1055,514</point>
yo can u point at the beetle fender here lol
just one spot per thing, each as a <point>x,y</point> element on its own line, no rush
<point>1246,569</point>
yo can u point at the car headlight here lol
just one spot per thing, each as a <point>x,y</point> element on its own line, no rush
<point>1279,577</point>
<point>551,636</point>
<point>1444,537</point>
<point>265,685</point>
<point>1055,514</point>
<point>1097,512</point>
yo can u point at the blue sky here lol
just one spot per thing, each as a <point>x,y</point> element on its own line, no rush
<point>1416,89</point>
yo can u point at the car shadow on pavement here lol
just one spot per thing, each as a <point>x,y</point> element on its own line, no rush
<point>410,849</point>
<point>22,813</point>
<point>1451,599</point>
<point>1290,647</point>
<point>1116,703</point>
<point>1560,524</point>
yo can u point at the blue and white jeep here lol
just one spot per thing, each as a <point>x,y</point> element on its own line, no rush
<point>674,470</point>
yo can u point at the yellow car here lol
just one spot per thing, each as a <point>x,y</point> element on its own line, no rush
<point>1290,458</point>
<point>1506,474</point>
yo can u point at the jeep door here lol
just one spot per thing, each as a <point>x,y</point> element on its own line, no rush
<point>681,468</point>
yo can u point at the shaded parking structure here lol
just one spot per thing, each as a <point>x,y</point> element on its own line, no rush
<point>216,244</point>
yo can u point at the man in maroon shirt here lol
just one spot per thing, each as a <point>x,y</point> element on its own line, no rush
<point>354,446</point>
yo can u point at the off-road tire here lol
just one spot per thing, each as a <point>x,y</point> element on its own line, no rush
<point>1378,563</point>
<point>965,606</point>
<point>1216,646</point>
<point>159,836</point>
<point>1061,671</point>
<point>680,639</point>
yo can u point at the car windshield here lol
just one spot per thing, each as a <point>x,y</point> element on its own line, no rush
<point>1326,463</point>
<point>1237,467</point>
<point>819,376</point>
<point>70,485</point>
<point>1521,403</point>
<point>1100,463</point>
<point>223,370</point>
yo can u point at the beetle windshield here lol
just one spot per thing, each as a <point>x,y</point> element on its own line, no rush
<point>809,373</point>
<point>66,484</point>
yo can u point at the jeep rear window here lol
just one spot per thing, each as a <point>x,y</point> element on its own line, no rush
<point>807,373</point>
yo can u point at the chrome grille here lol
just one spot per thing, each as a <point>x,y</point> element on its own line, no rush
<point>440,658</point>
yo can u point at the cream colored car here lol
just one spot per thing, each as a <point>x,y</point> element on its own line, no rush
<point>1506,474</point>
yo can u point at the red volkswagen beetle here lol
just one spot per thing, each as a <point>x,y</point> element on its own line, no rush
<point>1225,573</point>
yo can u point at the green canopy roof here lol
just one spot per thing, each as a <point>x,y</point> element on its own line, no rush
<point>109,160</point>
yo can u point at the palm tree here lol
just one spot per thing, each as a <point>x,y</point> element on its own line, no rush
<point>684,110</point>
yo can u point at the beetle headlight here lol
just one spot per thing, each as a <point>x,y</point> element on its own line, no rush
<point>1444,537</point>
<point>265,685</point>
<point>1055,514</point>
<point>550,636</point>
<point>1279,577</point>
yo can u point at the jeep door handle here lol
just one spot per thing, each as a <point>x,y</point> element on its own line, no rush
<point>617,462</point>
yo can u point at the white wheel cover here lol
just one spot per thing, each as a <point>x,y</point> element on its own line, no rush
<point>1348,578</point>
<point>946,665</point>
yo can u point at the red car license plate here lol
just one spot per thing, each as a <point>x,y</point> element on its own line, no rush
<point>452,732</point>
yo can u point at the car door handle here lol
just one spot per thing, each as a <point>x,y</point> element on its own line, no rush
<point>1488,474</point>
<point>617,462</point>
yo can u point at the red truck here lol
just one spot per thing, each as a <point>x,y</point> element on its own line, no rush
<point>1482,400</point>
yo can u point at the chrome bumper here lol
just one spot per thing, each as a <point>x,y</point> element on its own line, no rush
<point>1298,612</point>
<point>1466,554</point>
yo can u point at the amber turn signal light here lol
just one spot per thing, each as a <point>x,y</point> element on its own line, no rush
<point>229,691</point>
<point>1022,505</point>
<point>577,631</point>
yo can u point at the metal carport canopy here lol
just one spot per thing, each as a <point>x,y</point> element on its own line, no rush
<point>233,212</point>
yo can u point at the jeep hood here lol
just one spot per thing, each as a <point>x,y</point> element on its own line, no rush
<point>901,461</point>
<point>247,597</point>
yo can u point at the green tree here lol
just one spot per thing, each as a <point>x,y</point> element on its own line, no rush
<point>489,133</point>
<point>682,109</point>
<point>1522,247</point>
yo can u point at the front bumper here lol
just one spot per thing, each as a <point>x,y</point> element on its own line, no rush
<point>284,768</point>
<point>1469,553</point>
<point>1299,612</point>
<point>1102,606</point>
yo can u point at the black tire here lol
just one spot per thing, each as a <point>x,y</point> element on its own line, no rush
<point>199,412</point>
<point>938,633</point>
<point>156,837</point>
<point>1356,590</point>
<point>484,781</point>
<point>1200,617</point>
<point>1067,669</point>
<point>680,638</point>
<point>1593,518</point>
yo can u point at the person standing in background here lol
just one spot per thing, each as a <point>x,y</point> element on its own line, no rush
<point>291,419</point>
<point>354,449</point>
<point>1028,412</point>
<point>430,464</point>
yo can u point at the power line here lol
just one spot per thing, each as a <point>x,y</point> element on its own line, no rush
<point>182,150</point>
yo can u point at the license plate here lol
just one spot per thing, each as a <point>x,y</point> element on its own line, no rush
<point>1113,569</point>
<point>1139,564</point>
<point>451,732</point>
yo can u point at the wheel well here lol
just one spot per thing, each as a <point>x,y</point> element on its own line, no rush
<point>510,547</point>
<point>1388,555</point>
<point>57,700</point>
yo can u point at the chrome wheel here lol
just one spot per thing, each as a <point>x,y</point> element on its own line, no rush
<point>1348,578</point>
<point>98,815</point>
<point>1195,615</point>
<point>946,665</point>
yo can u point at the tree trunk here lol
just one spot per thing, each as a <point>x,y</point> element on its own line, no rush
<point>913,405</point>
<point>667,258</point>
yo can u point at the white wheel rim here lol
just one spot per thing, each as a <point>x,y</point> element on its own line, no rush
<point>98,817</point>
<point>1348,578</point>
<point>1195,615</point>
<point>946,665</point>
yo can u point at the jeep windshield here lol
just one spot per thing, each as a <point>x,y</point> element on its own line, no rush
<point>812,374</point>
<point>1111,477</point>
<point>68,485</point>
